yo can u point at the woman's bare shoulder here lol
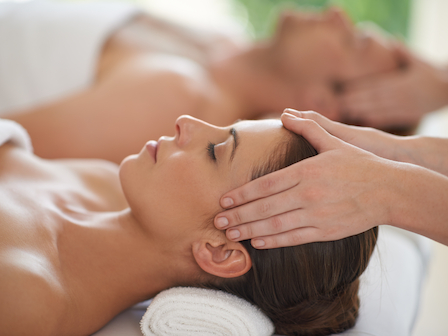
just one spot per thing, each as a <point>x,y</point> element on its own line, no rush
<point>33,301</point>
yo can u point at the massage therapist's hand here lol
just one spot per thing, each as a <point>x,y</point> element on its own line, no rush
<point>338,193</point>
<point>396,98</point>
<point>380,143</point>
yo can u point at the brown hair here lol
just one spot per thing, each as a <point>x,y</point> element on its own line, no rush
<point>310,289</point>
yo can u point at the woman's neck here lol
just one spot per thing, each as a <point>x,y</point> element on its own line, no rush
<point>110,263</point>
<point>252,77</point>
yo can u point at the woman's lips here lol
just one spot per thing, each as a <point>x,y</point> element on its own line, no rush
<point>151,147</point>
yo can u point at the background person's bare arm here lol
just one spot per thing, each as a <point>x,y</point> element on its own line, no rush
<point>137,102</point>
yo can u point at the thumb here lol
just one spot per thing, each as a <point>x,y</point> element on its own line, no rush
<point>319,138</point>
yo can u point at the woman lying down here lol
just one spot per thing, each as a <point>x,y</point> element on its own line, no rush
<point>76,248</point>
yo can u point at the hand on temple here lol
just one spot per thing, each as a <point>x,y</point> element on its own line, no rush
<point>344,190</point>
<point>335,194</point>
<point>396,98</point>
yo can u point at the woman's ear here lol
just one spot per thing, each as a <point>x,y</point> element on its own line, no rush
<point>222,258</point>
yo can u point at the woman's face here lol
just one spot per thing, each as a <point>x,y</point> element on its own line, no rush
<point>174,185</point>
<point>322,50</point>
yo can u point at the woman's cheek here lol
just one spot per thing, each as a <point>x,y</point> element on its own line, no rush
<point>190,186</point>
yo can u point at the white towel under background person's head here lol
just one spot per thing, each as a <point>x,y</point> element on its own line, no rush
<point>185,311</point>
<point>10,131</point>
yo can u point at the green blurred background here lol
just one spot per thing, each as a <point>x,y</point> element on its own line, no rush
<point>260,15</point>
<point>391,15</point>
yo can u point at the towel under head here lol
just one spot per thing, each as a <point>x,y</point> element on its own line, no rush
<point>10,131</point>
<point>195,311</point>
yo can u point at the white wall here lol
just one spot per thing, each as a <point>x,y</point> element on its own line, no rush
<point>429,38</point>
<point>429,29</point>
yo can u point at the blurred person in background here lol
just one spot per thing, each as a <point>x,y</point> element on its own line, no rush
<point>141,73</point>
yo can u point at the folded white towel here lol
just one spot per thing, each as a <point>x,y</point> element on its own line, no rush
<point>11,131</point>
<point>196,311</point>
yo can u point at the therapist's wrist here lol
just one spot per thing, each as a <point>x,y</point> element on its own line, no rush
<point>418,202</point>
<point>396,195</point>
<point>379,205</point>
<point>387,191</point>
<point>406,149</point>
<point>417,150</point>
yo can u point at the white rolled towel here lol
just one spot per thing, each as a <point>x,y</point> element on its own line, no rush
<point>10,131</point>
<point>186,311</point>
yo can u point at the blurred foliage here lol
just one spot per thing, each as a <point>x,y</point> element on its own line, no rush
<point>391,15</point>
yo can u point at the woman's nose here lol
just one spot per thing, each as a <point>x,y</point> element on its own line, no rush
<point>339,18</point>
<point>186,129</point>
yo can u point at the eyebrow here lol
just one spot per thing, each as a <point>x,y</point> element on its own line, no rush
<point>236,142</point>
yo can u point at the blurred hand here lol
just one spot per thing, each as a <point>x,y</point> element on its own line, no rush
<point>396,98</point>
<point>338,193</point>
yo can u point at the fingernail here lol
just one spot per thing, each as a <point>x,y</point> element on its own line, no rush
<point>258,243</point>
<point>222,222</point>
<point>233,234</point>
<point>289,116</point>
<point>293,112</point>
<point>226,202</point>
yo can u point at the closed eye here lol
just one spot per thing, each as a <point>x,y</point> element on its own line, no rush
<point>211,151</point>
<point>337,87</point>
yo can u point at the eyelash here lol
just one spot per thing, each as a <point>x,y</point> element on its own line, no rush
<point>211,151</point>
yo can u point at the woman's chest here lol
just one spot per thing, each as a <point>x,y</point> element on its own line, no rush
<point>144,36</point>
<point>36,195</point>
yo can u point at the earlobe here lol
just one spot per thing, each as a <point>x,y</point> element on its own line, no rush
<point>222,259</point>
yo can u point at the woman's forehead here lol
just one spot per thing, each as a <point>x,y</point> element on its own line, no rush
<point>258,126</point>
<point>257,138</point>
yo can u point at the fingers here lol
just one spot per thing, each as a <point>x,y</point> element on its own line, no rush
<point>287,229</point>
<point>318,137</point>
<point>375,100</point>
<point>266,227</point>
<point>264,186</point>
<point>371,87</point>
<point>264,207</point>
<point>361,100</point>
<point>333,127</point>
<point>293,237</point>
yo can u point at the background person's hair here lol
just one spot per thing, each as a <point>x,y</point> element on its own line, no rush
<point>310,289</point>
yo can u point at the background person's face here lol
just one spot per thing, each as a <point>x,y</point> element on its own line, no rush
<point>320,51</point>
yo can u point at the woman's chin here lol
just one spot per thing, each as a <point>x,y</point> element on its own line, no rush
<point>126,161</point>
<point>125,170</point>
